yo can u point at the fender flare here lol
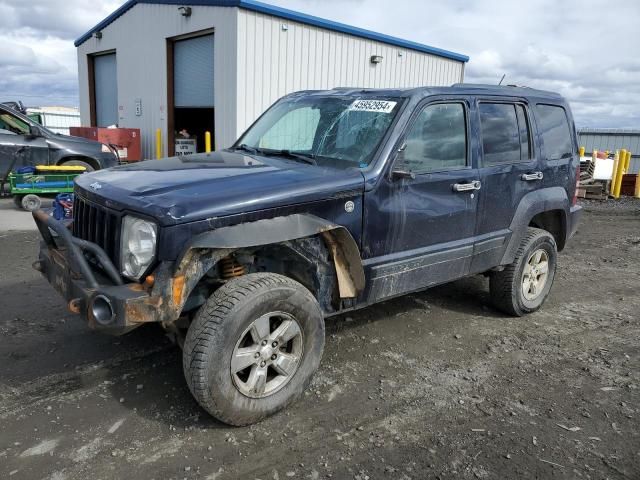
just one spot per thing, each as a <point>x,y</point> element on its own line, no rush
<point>340,243</point>
<point>533,203</point>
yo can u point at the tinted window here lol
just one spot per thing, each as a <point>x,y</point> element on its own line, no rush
<point>500,134</point>
<point>523,127</point>
<point>554,128</point>
<point>438,139</point>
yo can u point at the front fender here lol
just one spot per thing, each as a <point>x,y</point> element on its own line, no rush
<point>207,248</point>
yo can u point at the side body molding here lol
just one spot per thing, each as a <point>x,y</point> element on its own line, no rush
<point>343,248</point>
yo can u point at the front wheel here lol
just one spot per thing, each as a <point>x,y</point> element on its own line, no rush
<point>79,163</point>
<point>523,286</point>
<point>253,347</point>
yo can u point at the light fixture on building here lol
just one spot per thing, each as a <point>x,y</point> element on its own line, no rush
<point>97,34</point>
<point>185,11</point>
<point>284,27</point>
<point>376,59</point>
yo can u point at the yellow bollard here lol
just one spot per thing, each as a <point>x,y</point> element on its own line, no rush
<point>581,151</point>
<point>207,142</point>
<point>158,144</point>
<point>619,173</point>
<point>612,184</point>
<point>627,161</point>
<point>637,191</point>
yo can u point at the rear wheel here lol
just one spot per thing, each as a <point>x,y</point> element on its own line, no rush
<point>17,201</point>
<point>31,202</point>
<point>253,347</point>
<point>523,286</point>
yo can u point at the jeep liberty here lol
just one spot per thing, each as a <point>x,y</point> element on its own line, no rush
<point>331,201</point>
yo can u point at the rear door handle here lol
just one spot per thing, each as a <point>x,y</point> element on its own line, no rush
<point>530,177</point>
<point>467,187</point>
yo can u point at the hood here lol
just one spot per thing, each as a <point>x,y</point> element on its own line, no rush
<point>195,187</point>
<point>75,143</point>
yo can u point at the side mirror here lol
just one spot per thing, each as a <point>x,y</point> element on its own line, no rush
<point>34,131</point>
<point>401,174</point>
<point>400,170</point>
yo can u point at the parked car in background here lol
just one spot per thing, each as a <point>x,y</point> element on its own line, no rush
<point>56,119</point>
<point>24,142</point>
<point>331,201</point>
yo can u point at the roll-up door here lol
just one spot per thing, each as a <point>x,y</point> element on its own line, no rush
<point>106,89</point>
<point>193,72</point>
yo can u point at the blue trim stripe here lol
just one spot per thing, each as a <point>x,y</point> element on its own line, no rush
<point>284,13</point>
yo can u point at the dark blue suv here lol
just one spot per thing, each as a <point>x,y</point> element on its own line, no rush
<point>331,201</point>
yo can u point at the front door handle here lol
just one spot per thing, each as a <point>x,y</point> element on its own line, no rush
<point>466,187</point>
<point>530,177</point>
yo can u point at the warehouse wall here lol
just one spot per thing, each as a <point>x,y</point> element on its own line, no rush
<point>256,61</point>
<point>273,62</point>
<point>139,38</point>
<point>612,140</point>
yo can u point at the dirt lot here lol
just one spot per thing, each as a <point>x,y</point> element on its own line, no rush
<point>433,385</point>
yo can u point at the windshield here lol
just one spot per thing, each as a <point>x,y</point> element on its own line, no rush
<point>15,122</point>
<point>344,129</point>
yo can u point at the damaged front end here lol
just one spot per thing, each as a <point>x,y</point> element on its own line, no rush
<point>95,289</point>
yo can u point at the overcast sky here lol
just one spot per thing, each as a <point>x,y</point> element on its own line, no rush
<point>588,50</point>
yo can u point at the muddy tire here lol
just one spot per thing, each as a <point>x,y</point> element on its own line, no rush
<point>31,202</point>
<point>253,347</point>
<point>523,286</point>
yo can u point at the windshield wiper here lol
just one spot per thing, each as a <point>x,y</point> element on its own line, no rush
<point>246,148</point>
<point>308,158</point>
<point>301,156</point>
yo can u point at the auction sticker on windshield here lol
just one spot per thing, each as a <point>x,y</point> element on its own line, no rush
<point>383,106</point>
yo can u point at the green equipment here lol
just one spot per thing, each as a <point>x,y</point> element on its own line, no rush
<point>27,184</point>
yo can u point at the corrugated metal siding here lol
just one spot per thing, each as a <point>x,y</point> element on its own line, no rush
<point>273,62</point>
<point>612,139</point>
<point>139,38</point>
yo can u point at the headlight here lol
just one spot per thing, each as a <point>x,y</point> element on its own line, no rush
<point>138,246</point>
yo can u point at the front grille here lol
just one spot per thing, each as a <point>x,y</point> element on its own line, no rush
<point>97,224</point>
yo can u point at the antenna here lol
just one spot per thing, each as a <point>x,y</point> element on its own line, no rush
<point>500,82</point>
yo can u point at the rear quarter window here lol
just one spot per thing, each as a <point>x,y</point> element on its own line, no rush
<point>555,131</point>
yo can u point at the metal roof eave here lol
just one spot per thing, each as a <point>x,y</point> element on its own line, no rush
<point>284,13</point>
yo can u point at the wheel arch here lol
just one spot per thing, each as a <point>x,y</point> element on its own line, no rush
<point>91,161</point>
<point>310,238</point>
<point>546,209</point>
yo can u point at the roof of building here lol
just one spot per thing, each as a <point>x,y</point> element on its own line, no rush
<point>608,131</point>
<point>285,14</point>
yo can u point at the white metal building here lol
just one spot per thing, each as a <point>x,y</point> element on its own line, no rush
<point>218,64</point>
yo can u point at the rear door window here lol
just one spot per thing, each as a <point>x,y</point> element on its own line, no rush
<point>500,133</point>
<point>555,131</point>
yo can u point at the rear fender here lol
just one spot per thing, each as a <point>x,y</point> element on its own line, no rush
<point>533,203</point>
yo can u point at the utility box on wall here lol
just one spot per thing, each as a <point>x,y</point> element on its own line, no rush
<point>126,140</point>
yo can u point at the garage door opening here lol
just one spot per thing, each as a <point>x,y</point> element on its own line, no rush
<point>103,88</point>
<point>191,98</point>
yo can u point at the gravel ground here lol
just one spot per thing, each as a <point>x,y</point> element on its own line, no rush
<point>431,385</point>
